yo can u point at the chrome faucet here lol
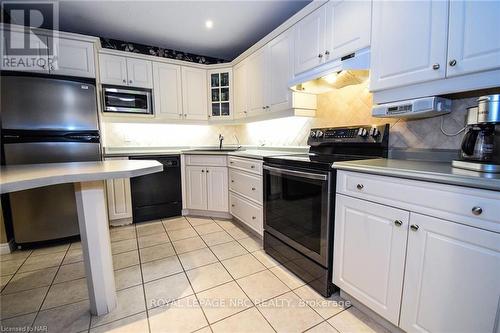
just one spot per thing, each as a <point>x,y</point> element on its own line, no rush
<point>221,138</point>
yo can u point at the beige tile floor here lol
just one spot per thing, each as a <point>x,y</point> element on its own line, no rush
<point>174,275</point>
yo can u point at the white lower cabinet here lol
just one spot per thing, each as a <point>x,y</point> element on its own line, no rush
<point>206,187</point>
<point>119,199</point>
<point>370,245</point>
<point>246,192</point>
<point>196,187</point>
<point>420,272</point>
<point>452,278</point>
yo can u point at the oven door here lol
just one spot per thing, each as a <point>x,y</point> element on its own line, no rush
<point>297,209</point>
<point>127,100</point>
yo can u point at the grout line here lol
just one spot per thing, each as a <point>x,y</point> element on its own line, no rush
<point>248,297</point>
<point>142,277</point>
<point>50,287</point>
<point>187,278</point>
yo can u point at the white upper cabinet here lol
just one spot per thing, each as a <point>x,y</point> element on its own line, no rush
<point>113,69</point>
<point>194,93</point>
<point>220,92</point>
<point>124,71</point>
<point>280,71</point>
<point>71,57</point>
<point>473,37</point>
<point>167,91</point>
<point>348,25</point>
<point>310,41</point>
<point>240,91</point>
<point>74,58</point>
<point>369,253</point>
<point>451,279</point>
<point>139,73</point>
<point>408,42</point>
<point>255,82</point>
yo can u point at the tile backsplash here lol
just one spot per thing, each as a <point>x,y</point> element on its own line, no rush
<point>348,106</point>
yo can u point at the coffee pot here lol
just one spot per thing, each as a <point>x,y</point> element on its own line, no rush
<point>480,150</point>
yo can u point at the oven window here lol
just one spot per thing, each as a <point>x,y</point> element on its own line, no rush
<point>295,208</point>
<point>126,100</point>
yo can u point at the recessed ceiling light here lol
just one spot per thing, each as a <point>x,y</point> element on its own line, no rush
<point>209,24</point>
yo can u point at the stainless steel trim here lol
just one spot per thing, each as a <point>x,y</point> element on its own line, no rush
<point>475,166</point>
<point>302,174</point>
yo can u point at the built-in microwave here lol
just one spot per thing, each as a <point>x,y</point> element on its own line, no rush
<point>127,100</point>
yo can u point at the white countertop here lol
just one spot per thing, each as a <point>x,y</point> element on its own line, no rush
<point>22,177</point>
<point>436,172</point>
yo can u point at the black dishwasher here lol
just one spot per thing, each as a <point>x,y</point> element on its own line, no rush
<point>157,195</point>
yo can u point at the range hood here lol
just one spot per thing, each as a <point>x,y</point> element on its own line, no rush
<point>349,70</point>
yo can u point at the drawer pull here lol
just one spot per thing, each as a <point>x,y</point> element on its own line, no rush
<point>253,188</point>
<point>231,162</point>
<point>360,186</point>
<point>398,223</point>
<point>232,181</point>
<point>414,227</point>
<point>252,166</point>
<point>207,170</point>
<point>232,205</point>
<point>477,210</point>
<point>253,217</point>
<point>202,170</point>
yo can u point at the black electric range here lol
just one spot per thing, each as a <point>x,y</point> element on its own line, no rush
<point>299,199</point>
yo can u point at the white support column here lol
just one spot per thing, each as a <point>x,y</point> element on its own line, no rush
<point>94,231</point>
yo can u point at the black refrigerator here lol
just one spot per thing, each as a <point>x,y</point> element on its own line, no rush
<point>46,120</point>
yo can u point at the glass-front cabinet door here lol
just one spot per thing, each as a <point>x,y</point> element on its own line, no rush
<point>220,94</point>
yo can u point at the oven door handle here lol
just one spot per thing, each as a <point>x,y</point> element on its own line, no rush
<point>302,174</point>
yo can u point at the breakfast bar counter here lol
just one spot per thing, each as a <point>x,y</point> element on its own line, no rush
<point>87,178</point>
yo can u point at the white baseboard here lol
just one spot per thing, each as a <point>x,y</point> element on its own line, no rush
<point>370,313</point>
<point>206,213</point>
<point>120,222</point>
<point>6,248</point>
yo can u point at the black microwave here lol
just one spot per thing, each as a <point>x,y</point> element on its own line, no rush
<point>127,100</point>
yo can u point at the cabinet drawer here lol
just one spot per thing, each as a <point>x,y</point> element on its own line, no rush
<point>246,164</point>
<point>455,203</point>
<point>206,160</point>
<point>247,212</point>
<point>246,184</point>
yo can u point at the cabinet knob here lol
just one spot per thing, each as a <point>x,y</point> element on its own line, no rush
<point>130,81</point>
<point>360,186</point>
<point>267,106</point>
<point>263,108</point>
<point>398,223</point>
<point>231,162</point>
<point>232,205</point>
<point>253,217</point>
<point>253,188</point>
<point>180,114</point>
<point>452,62</point>
<point>327,52</point>
<point>124,81</point>
<point>414,227</point>
<point>435,67</point>
<point>252,166</point>
<point>207,170</point>
<point>202,170</point>
<point>320,55</point>
<point>232,181</point>
<point>477,210</point>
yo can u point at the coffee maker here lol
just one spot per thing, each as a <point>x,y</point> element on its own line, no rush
<point>481,143</point>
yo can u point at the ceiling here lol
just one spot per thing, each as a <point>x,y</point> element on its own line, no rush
<point>180,25</point>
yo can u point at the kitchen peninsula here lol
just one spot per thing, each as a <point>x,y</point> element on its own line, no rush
<point>87,178</point>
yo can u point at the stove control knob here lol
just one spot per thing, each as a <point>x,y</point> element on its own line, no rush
<point>313,134</point>
<point>319,134</point>
<point>362,132</point>
<point>374,132</point>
